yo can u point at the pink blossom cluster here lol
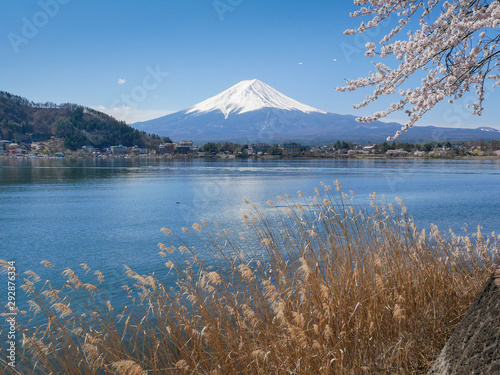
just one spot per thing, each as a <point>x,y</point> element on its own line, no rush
<point>455,49</point>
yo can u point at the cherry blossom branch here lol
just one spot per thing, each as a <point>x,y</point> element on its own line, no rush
<point>456,49</point>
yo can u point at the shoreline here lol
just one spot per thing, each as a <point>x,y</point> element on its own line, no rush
<point>263,157</point>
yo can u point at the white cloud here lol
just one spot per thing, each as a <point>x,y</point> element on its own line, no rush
<point>121,81</point>
<point>131,115</point>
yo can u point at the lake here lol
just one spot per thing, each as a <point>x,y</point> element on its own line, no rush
<point>107,213</point>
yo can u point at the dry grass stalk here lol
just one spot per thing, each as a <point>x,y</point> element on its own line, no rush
<point>337,289</point>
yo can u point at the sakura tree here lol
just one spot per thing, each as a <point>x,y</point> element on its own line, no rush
<point>453,45</point>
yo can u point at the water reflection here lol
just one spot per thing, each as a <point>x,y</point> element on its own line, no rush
<point>109,212</point>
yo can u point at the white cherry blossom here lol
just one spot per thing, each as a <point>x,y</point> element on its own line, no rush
<point>456,49</point>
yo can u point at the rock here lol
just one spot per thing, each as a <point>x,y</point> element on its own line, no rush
<point>474,347</point>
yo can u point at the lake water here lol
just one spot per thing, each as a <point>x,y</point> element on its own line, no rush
<point>107,213</point>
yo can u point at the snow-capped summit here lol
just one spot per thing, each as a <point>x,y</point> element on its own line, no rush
<point>253,112</point>
<point>248,96</point>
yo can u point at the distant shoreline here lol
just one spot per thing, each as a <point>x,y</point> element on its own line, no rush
<point>262,157</point>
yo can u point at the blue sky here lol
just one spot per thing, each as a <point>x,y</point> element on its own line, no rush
<point>142,59</point>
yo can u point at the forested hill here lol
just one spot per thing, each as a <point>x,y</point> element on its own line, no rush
<point>24,120</point>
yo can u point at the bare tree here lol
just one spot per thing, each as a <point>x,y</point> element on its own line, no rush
<point>455,45</point>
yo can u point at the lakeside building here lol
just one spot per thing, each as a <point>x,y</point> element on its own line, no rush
<point>118,150</point>
<point>4,143</point>
<point>136,150</point>
<point>167,148</point>
<point>258,147</point>
<point>15,151</point>
<point>184,147</point>
<point>16,148</point>
<point>36,147</point>
<point>88,149</point>
<point>370,149</point>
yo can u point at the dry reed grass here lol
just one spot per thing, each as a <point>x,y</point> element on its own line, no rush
<point>338,289</point>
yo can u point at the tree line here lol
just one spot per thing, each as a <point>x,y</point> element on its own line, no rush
<point>76,125</point>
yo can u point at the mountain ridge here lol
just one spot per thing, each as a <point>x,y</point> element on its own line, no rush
<point>76,125</point>
<point>248,96</point>
<point>254,112</point>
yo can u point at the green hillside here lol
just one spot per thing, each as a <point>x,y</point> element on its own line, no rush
<point>26,121</point>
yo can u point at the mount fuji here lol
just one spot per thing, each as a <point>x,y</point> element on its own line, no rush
<point>254,112</point>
